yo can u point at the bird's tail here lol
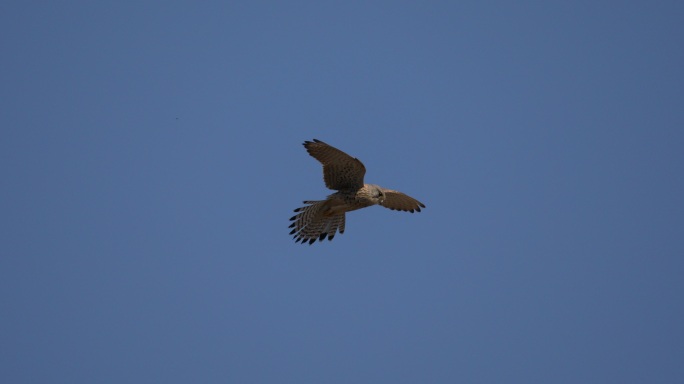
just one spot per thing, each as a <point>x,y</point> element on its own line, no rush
<point>311,223</point>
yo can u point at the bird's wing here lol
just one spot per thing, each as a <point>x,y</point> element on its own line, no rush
<point>340,171</point>
<point>398,201</point>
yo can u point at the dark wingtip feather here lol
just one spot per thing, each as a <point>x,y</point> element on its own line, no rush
<point>297,210</point>
<point>331,237</point>
<point>293,231</point>
<point>293,218</point>
<point>312,241</point>
<point>298,239</point>
<point>322,236</point>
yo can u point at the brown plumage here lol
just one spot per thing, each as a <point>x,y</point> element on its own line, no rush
<point>341,172</point>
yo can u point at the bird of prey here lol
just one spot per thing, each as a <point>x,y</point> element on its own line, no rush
<point>343,173</point>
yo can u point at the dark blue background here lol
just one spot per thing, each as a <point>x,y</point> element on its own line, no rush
<point>151,156</point>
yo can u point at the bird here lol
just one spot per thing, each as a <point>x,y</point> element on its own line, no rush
<point>342,173</point>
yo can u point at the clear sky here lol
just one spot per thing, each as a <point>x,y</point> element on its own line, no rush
<point>151,157</point>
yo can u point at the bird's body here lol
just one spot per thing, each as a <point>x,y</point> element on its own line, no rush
<point>351,200</point>
<point>345,174</point>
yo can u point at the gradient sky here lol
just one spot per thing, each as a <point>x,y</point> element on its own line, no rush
<point>151,157</point>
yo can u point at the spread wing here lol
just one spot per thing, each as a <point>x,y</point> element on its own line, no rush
<point>340,171</point>
<point>398,201</point>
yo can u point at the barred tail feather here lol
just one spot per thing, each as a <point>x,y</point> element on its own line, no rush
<point>311,224</point>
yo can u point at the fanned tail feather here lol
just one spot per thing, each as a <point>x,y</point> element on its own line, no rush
<point>311,224</point>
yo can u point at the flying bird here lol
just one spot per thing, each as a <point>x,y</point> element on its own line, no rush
<point>343,173</point>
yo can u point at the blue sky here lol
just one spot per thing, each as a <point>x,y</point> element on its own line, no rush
<point>151,158</point>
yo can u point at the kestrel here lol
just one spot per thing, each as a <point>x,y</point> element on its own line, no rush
<point>344,174</point>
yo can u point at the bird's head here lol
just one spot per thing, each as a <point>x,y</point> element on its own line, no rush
<point>377,194</point>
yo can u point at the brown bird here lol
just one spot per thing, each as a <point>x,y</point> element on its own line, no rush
<point>344,174</point>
